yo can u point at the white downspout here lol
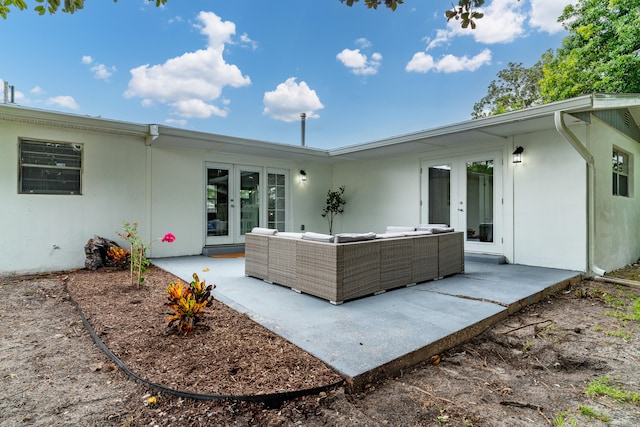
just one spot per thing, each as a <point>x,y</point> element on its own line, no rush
<point>571,138</point>
<point>148,201</point>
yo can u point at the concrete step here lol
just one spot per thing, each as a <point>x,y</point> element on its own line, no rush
<point>223,249</point>
<point>485,258</point>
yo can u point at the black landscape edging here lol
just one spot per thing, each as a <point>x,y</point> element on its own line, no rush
<point>271,399</point>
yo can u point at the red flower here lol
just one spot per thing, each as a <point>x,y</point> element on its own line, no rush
<point>169,238</point>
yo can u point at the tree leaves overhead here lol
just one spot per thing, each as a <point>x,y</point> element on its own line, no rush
<point>600,54</point>
<point>392,4</point>
<point>464,12</point>
<point>51,6</point>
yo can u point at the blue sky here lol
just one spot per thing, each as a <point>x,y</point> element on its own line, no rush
<point>248,68</point>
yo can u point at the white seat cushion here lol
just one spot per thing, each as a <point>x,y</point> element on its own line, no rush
<point>354,237</point>
<point>317,237</point>
<point>398,229</point>
<point>389,235</point>
<point>289,235</point>
<point>268,231</point>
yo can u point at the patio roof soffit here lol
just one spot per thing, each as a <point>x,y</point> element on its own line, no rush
<point>493,128</point>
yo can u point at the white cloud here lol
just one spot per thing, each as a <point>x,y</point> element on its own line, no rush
<point>37,90</point>
<point>363,43</point>
<point>177,122</point>
<point>190,82</point>
<point>358,63</point>
<point>442,37</point>
<point>423,63</point>
<point>100,71</point>
<point>545,13</point>
<point>289,99</point>
<point>503,22</point>
<point>63,101</point>
<point>246,41</point>
<point>197,108</point>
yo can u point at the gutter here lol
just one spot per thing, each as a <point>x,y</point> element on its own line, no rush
<point>571,138</point>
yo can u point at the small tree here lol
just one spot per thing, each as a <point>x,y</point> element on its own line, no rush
<point>334,206</point>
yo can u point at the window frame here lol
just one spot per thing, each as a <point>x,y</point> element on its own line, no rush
<point>621,167</point>
<point>44,157</point>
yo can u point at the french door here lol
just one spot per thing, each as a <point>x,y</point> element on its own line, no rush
<point>466,194</point>
<point>235,203</point>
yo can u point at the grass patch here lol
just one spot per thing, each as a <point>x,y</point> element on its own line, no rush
<point>603,386</point>
<point>593,413</point>
<point>564,419</point>
<point>630,272</point>
<point>620,333</point>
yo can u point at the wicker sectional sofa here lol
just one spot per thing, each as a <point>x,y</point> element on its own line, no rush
<point>339,272</point>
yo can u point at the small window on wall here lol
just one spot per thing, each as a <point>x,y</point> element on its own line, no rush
<point>50,167</point>
<point>621,173</point>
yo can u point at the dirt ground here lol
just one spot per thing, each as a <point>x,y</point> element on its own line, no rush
<point>570,360</point>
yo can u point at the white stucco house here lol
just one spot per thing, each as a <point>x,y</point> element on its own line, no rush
<point>567,198</point>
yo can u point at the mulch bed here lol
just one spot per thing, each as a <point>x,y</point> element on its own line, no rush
<point>227,354</point>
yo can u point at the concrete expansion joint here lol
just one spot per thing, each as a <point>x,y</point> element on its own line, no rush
<point>476,299</point>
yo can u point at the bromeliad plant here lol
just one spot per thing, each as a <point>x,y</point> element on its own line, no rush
<point>137,255</point>
<point>189,303</point>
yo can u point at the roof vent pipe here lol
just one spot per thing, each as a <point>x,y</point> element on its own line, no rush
<point>9,90</point>
<point>303,117</point>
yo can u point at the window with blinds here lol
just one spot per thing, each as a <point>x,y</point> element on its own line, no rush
<point>50,168</point>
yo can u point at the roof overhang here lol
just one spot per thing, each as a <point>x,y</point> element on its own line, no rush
<point>494,128</point>
<point>202,141</point>
<point>18,114</point>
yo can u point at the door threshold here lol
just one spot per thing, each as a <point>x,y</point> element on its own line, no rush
<point>223,249</point>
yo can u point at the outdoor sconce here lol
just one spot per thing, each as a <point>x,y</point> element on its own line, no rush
<point>517,155</point>
<point>303,175</point>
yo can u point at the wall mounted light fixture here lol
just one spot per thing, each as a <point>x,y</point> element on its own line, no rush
<point>517,155</point>
<point>303,175</point>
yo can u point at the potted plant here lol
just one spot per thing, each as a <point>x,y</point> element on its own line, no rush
<point>334,206</point>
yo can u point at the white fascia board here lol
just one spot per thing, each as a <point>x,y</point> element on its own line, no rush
<point>604,101</point>
<point>14,113</point>
<point>573,104</point>
<point>210,138</point>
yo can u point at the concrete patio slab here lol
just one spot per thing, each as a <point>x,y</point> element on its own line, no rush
<point>378,336</point>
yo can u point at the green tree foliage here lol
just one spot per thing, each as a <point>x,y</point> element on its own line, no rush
<point>517,87</point>
<point>600,54</point>
<point>392,4</point>
<point>465,12</point>
<point>51,6</point>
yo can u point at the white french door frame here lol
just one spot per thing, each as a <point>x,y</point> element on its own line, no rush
<point>458,199</point>
<point>243,211</point>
